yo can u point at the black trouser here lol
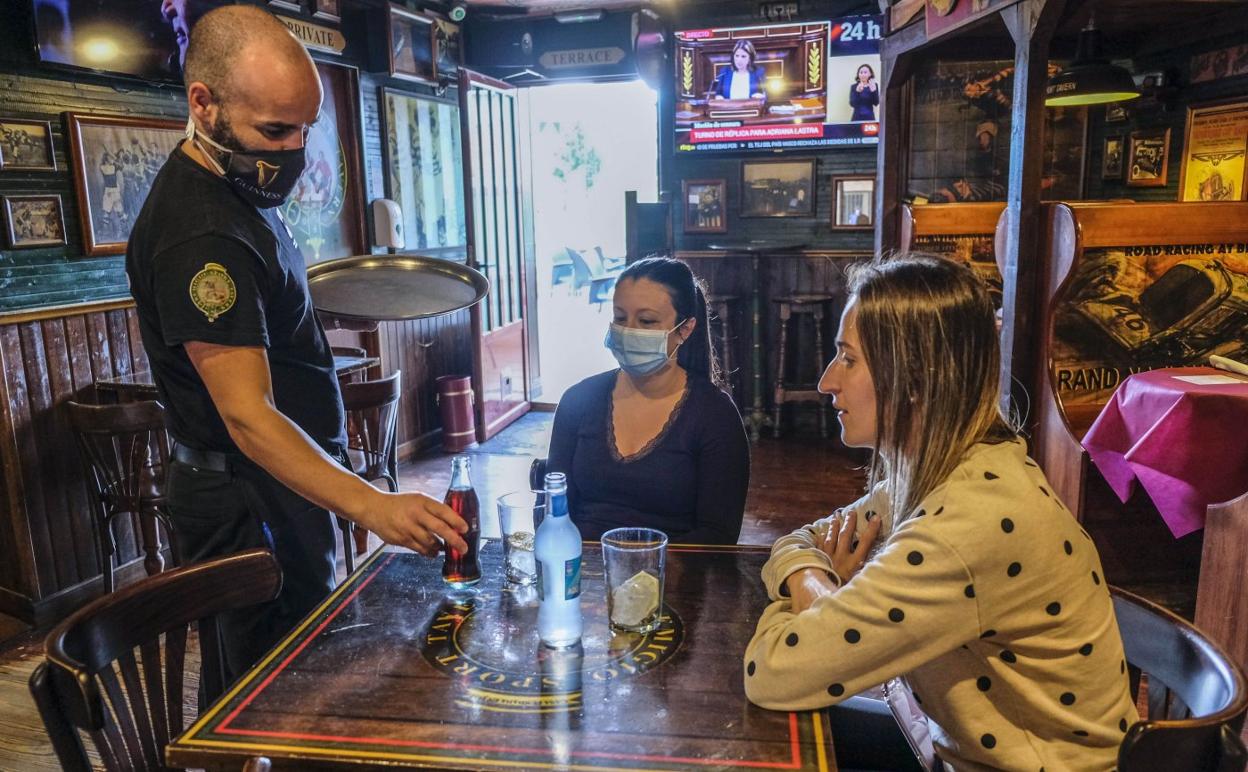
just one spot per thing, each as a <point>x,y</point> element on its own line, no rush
<point>866,737</point>
<point>218,512</point>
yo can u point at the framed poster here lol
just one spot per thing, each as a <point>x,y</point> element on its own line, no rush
<point>1148,158</point>
<point>1214,146</point>
<point>778,188</point>
<point>26,146</point>
<point>705,205</point>
<point>325,211</point>
<point>424,169</point>
<point>33,221</point>
<point>853,202</point>
<point>1111,158</point>
<point>115,160</point>
<point>448,49</point>
<point>411,45</point>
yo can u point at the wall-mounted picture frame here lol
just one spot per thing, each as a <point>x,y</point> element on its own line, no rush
<point>114,160</point>
<point>1215,152</point>
<point>705,205</point>
<point>424,169</point>
<point>853,202</point>
<point>780,188</point>
<point>448,49</point>
<point>286,5</point>
<point>329,10</point>
<point>1111,157</point>
<point>26,146</point>
<point>33,221</point>
<point>1115,112</point>
<point>411,45</point>
<point>1148,158</point>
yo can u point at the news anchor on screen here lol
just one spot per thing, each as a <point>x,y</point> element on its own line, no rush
<point>743,80</point>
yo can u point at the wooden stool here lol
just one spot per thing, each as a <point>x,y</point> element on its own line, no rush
<point>720,307</point>
<point>799,305</point>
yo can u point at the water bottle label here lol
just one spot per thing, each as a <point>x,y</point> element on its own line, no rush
<point>572,578</point>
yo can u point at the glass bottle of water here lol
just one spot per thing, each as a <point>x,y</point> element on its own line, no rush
<point>558,550</point>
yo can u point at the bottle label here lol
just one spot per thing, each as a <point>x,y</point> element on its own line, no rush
<point>572,578</point>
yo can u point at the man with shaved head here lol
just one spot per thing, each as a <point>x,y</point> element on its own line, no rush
<point>236,349</point>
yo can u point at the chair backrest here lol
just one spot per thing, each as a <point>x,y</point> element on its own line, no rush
<point>1196,694</point>
<point>93,653</point>
<point>372,414</point>
<point>348,351</point>
<point>537,474</point>
<point>125,448</point>
<point>582,269</point>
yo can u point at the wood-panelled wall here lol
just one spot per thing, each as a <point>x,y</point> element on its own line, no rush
<point>799,273</point>
<point>47,552</point>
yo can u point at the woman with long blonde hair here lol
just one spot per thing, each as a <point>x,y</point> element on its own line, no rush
<point>984,593</point>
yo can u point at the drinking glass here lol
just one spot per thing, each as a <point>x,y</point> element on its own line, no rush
<point>519,514</point>
<point>634,562</point>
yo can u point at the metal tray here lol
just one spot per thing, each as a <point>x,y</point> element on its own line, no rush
<point>394,287</point>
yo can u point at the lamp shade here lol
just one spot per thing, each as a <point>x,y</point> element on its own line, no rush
<point>1090,79</point>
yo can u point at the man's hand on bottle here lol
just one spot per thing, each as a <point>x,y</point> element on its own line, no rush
<point>415,521</point>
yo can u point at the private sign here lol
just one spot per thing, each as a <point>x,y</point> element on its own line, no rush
<point>582,57</point>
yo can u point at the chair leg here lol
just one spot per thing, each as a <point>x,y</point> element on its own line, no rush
<point>107,548</point>
<point>175,554</point>
<point>780,368</point>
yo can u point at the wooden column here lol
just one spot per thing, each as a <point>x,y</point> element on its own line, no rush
<point>1031,24</point>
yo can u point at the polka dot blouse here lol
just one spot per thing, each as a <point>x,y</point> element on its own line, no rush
<point>991,604</point>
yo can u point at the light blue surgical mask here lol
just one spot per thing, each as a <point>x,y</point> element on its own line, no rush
<point>639,352</point>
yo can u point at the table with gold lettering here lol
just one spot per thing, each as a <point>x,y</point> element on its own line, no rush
<point>394,669</point>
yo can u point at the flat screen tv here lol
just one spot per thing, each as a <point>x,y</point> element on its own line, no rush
<point>142,38</point>
<point>771,87</point>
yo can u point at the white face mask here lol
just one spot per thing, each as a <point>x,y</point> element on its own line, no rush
<point>639,352</point>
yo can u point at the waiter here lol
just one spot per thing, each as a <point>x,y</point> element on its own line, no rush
<point>237,352</point>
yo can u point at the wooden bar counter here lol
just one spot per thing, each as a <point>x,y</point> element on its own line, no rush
<point>394,669</point>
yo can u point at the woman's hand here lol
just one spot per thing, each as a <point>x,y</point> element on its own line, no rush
<point>874,86</point>
<point>807,586</point>
<point>848,554</point>
<point>859,87</point>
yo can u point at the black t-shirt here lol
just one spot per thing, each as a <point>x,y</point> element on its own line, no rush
<point>689,482</point>
<point>206,266</point>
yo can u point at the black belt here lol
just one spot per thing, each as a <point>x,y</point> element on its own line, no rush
<point>212,460</point>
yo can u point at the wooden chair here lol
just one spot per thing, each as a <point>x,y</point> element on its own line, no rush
<point>1196,695</point>
<point>125,450</point>
<point>372,423</point>
<point>588,270</point>
<point>144,707</point>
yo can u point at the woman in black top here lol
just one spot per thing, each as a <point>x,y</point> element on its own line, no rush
<point>864,94</point>
<point>655,443</point>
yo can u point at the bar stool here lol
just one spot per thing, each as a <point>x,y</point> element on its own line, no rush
<point>372,425</point>
<point>721,307</point>
<point>125,450</point>
<point>791,306</point>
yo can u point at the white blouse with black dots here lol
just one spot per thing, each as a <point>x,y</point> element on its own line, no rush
<point>990,602</point>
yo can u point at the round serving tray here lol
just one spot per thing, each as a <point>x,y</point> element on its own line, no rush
<point>394,287</point>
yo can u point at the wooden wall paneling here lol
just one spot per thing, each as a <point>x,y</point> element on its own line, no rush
<point>43,492</point>
<point>101,360</point>
<point>73,522</point>
<point>21,573</point>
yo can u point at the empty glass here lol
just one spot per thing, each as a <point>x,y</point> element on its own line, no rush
<point>634,562</point>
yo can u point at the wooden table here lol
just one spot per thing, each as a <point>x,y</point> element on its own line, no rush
<point>393,669</point>
<point>138,386</point>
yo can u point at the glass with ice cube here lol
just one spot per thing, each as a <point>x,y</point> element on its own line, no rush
<point>634,560</point>
<point>519,514</point>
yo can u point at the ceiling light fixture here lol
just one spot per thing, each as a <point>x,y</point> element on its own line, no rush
<point>1090,79</point>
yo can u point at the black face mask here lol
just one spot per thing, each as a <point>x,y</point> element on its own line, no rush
<point>264,178</point>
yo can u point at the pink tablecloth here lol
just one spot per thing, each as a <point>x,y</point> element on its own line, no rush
<point>1186,443</point>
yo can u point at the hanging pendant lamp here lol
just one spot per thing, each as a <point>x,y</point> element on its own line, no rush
<point>1090,79</point>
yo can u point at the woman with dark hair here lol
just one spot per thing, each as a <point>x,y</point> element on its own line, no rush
<point>864,94</point>
<point>655,443</point>
<point>743,80</point>
<point>986,595</point>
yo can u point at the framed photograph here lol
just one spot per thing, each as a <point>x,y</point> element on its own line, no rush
<point>1115,112</point>
<point>26,146</point>
<point>33,221</point>
<point>425,168</point>
<point>288,5</point>
<point>115,160</point>
<point>1215,144</point>
<point>448,48</point>
<point>325,211</point>
<point>1111,158</point>
<point>778,188</point>
<point>411,45</point>
<point>327,9</point>
<point>705,203</point>
<point>1148,158</point>
<point>853,203</point>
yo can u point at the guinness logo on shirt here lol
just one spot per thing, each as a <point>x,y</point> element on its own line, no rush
<point>213,291</point>
<point>266,173</point>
